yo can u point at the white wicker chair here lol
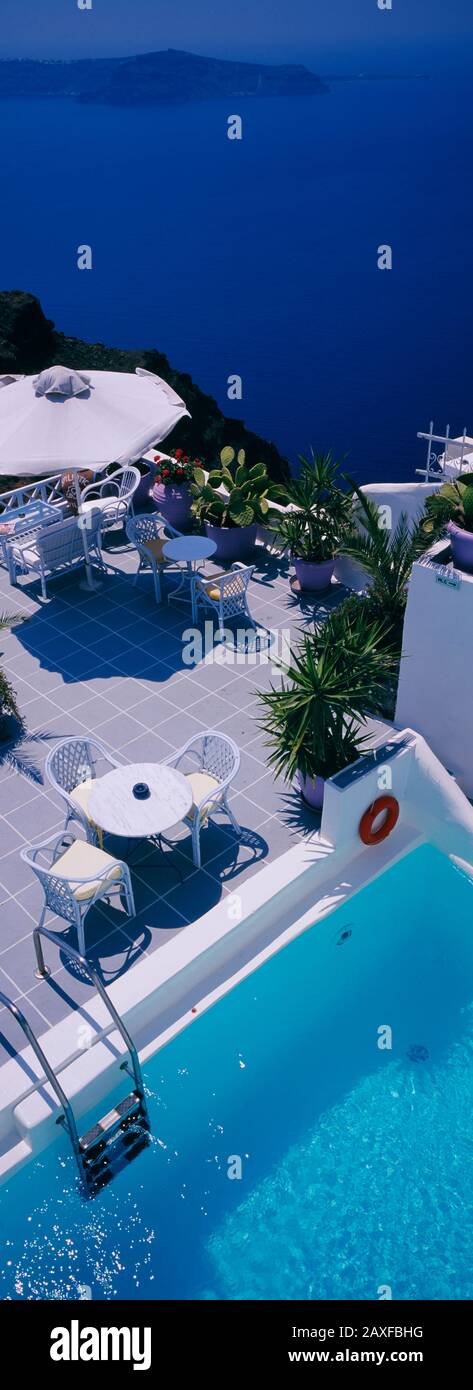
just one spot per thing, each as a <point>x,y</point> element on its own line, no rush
<point>214,760</point>
<point>57,548</point>
<point>149,533</point>
<point>74,876</point>
<point>70,768</point>
<point>113,495</point>
<point>226,594</point>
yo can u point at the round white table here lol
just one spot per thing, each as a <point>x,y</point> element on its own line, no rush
<point>115,809</point>
<point>187,550</point>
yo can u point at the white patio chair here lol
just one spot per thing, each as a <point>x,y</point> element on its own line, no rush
<point>113,495</point>
<point>71,769</point>
<point>149,533</point>
<point>217,760</point>
<point>75,875</point>
<point>225,593</point>
<point>57,548</point>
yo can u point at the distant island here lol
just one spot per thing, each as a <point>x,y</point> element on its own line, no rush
<point>168,76</point>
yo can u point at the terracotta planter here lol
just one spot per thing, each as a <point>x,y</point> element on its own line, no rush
<point>312,791</point>
<point>173,500</point>
<point>313,576</point>
<point>232,542</point>
<point>462,547</point>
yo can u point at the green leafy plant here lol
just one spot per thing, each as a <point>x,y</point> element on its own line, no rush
<point>453,502</point>
<point>8,701</point>
<point>248,492</point>
<point>335,678</point>
<point>316,529</point>
<point>388,557</point>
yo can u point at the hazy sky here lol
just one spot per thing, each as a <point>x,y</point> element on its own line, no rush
<point>260,28</point>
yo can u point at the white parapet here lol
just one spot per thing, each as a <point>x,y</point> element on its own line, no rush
<point>436,676</point>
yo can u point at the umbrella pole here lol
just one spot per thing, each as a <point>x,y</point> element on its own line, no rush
<point>89,582</point>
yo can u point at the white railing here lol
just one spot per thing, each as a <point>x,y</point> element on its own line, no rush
<point>453,449</point>
<point>45,490</point>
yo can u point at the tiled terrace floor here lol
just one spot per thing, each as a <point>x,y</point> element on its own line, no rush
<point>112,663</point>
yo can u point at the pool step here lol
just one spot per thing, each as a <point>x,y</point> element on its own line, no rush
<point>114,1141</point>
<point>107,1126</point>
<point>123,1132</point>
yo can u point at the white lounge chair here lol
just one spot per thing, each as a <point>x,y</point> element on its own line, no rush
<point>71,769</point>
<point>56,549</point>
<point>112,495</point>
<point>149,533</point>
<point>226,594</point>
<point>75,875</point>
<point>214,761</point>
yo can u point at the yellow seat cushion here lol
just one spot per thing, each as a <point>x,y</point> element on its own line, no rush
<point>82,860</point>
<point>81,795</point>
<point>156,547</point>
<point>201,785</point>
<point>213,592</point>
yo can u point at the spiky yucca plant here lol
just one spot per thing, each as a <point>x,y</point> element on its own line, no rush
<point>336,677</point>
<point>388,557</point>
<point>315,530</point>
<point>249,490</point>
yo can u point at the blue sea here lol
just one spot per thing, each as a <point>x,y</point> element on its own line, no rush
<point>259,257</point>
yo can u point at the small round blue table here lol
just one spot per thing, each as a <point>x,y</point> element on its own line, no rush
<point>189,551</point>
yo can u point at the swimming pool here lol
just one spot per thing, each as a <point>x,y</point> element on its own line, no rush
<point>292,1156</point>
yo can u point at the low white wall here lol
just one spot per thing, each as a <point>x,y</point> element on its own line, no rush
<point>435,693</point>
<point>430,801</point>
<point>409,498</point>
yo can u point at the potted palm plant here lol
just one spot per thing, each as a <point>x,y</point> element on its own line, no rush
<point>387,558</point>
<point>320,518</point>
<point>232,502</point>
<point>314,721</point>
<point>451,509</point>
<point>8,703</point>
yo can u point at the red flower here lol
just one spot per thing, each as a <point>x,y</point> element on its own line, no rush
<point>186,458</point>
<point>157,458</point>
<point>165,472</point>
<point>178,453</point>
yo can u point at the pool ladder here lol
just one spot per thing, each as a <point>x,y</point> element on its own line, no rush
<point>120,1135</point>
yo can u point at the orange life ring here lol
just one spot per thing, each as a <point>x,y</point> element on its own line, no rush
<point>365,828</point>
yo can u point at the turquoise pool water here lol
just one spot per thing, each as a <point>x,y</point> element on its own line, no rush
<point>356,1161</point>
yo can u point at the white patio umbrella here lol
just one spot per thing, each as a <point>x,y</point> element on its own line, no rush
<point>63,420</point>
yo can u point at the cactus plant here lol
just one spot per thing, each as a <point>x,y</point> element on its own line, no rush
<point>235,494</point>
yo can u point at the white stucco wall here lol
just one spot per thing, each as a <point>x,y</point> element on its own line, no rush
<point>409,498</point>
<point>435,694</point>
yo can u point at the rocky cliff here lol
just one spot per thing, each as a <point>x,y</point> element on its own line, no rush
<point>29,342</point>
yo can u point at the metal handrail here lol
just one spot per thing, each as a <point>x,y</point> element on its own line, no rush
<point>47,1068</point>
<point>99,986</point>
